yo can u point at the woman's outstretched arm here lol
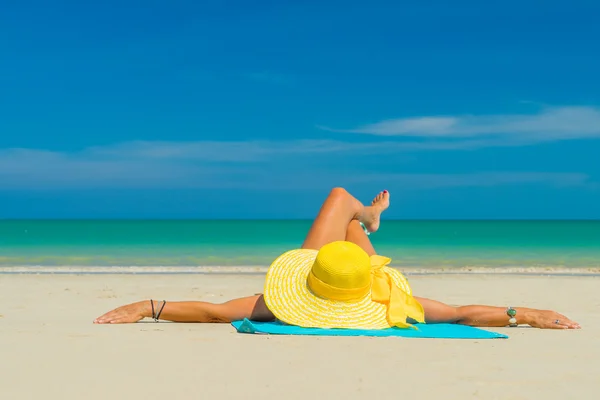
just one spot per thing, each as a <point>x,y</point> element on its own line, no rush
<point>252,307</point>
<point>478,315</point>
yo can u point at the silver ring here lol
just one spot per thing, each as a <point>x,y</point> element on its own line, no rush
<point>557,321</point>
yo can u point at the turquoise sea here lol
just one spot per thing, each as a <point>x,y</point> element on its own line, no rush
<point>428,245</point>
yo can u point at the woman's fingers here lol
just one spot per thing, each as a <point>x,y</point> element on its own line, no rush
<point>110,316</point>
<point>120,320</point>
<point>124,314</point>
<point>552,320</point>
<point>104,318</point>
<point>107,318</point>
<point>571,324</point>
<point>115,319</point>
<point>559,321</point>
<point>564,321</point>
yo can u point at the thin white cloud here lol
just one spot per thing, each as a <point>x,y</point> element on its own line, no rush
<point>265,151</point>
<point>551,123</point>
<point>480,179</point>
<point>218,165</point>
<point>414,181</point>
<point>157,164</point>
<point>25,168</point>
<point>223,151</point>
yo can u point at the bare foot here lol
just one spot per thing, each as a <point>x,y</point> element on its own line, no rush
<point>371,215</point>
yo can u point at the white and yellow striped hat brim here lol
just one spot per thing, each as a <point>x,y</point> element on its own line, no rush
<point>289,298</point>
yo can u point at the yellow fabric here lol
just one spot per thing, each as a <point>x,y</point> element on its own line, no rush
<point>326,291</point>
<point>297,297</point>
<point>399,304</point>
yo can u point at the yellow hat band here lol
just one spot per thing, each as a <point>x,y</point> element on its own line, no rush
<point>326,291</point>
<point>399,304</point>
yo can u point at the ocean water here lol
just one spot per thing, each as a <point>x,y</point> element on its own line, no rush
<point>428,245</point>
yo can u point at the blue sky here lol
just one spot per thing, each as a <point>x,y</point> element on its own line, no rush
<point>226,109</point>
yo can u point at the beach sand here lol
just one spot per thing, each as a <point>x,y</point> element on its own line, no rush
<point>49,348</point>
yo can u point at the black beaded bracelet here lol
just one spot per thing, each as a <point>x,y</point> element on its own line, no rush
<point>160,311</point>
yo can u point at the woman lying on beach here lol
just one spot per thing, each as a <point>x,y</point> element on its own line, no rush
<point>336,280</point>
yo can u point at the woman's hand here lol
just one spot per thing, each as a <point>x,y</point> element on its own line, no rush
<point>126,314</point>
<point>546,319</point>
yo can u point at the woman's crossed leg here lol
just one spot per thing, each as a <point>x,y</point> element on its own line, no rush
<point>339,218</point>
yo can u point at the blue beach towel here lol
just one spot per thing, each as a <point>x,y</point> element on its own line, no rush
<point>439,331</point>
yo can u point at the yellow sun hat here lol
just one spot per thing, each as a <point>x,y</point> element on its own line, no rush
<point>339,286</point>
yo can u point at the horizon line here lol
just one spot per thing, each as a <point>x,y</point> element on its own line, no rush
<point>158,219</point>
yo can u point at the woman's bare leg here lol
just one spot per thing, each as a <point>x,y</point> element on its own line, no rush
<point>357,235</point>
<point>339,209</point>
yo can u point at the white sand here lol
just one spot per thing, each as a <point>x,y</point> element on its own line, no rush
<point>49,348</point>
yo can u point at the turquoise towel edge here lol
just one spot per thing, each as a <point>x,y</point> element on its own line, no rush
<point>440,331</point>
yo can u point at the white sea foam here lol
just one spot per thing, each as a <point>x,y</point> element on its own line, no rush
<point>242,269</point>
